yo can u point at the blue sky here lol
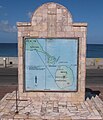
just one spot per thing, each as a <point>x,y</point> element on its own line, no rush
<point>13,11</point>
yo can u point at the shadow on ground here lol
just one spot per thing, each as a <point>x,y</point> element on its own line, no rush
<point>89,93</point>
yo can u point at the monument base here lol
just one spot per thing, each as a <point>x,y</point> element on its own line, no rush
<point>29,109</point>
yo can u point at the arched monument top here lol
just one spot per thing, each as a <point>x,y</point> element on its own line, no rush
<point>51,14</point>
<point>59,12</point>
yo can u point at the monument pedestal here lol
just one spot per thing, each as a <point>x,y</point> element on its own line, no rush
<point>30,109</point>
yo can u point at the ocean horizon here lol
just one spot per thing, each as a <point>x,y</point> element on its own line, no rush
<point>11,50</point>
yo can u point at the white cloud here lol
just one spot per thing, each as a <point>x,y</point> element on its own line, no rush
<point>6,27</point>
<point>29,14</point>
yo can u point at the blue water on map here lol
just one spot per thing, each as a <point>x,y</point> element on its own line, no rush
<point>11,50</point>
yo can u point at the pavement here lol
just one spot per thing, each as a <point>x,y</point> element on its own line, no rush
<point>8,76</point>
<point>31,109</point>
<point>8,80</point>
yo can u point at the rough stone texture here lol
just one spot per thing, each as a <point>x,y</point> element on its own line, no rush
<point>29,109</point>
<point>52,20</point>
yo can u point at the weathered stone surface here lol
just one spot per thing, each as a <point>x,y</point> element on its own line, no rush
<point>62,110</point>
<point>52,20</point>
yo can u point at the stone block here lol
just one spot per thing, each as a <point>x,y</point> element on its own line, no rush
<point>52,5</point>
<point>20,52</point>
<point>21,29</point>
<point>64,12</point>
<point>59,11</point>
<point>69,20</point>
<point>20,77</point>
<point>38,28</point>
<point>22,95</point>
<point>69,34</point>
<point>59,27</point>
<point>34,34</point>
<point>84,35</point>
<point>20,61</point>
<point>59,18</point>
<point>20,88</point>
<point>19,34</point>
<point>67,28</point>
<point>64,21</point>
<point>45,18</point>
<point>83,29</point>
<point>94,117</point>
<point>51,34</point>
<point>42,34</point>
<point>34,21</point>
<point>60,34</point>
<point>20,72</point>
<point>76,29</point>
<point>20,42</point>
<point>26,33</point>
<point>78,34</point>
<point>52,11</point>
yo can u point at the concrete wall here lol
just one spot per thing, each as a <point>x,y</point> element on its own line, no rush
<point>10,61</point>
<point>91,63</point>
<point>94,63</point>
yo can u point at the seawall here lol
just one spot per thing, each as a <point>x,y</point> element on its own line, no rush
<point>94,63</point>
<point>91,63</point>
<point>9,61</point>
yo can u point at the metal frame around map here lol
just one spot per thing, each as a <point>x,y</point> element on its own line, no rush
<point>24,82</point>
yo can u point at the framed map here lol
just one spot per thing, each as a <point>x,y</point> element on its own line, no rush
<point>51,64</point>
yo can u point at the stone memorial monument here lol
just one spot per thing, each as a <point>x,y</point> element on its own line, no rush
<point>51,70</point>
<point>52,55</point>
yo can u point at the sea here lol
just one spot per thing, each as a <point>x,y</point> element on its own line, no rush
<point>11,50</point>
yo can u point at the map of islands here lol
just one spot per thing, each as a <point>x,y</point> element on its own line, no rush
<point>51,64</point>
<point>64,77</point>
<point>34,45</point>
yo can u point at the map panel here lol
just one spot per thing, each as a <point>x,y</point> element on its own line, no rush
<point>51,64</point>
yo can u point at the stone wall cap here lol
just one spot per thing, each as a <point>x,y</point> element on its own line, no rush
<point>80,24</point>
<point>23,24</point>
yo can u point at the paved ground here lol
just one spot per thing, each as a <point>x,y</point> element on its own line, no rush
<point>31,109</point>
<point>8,76</point>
